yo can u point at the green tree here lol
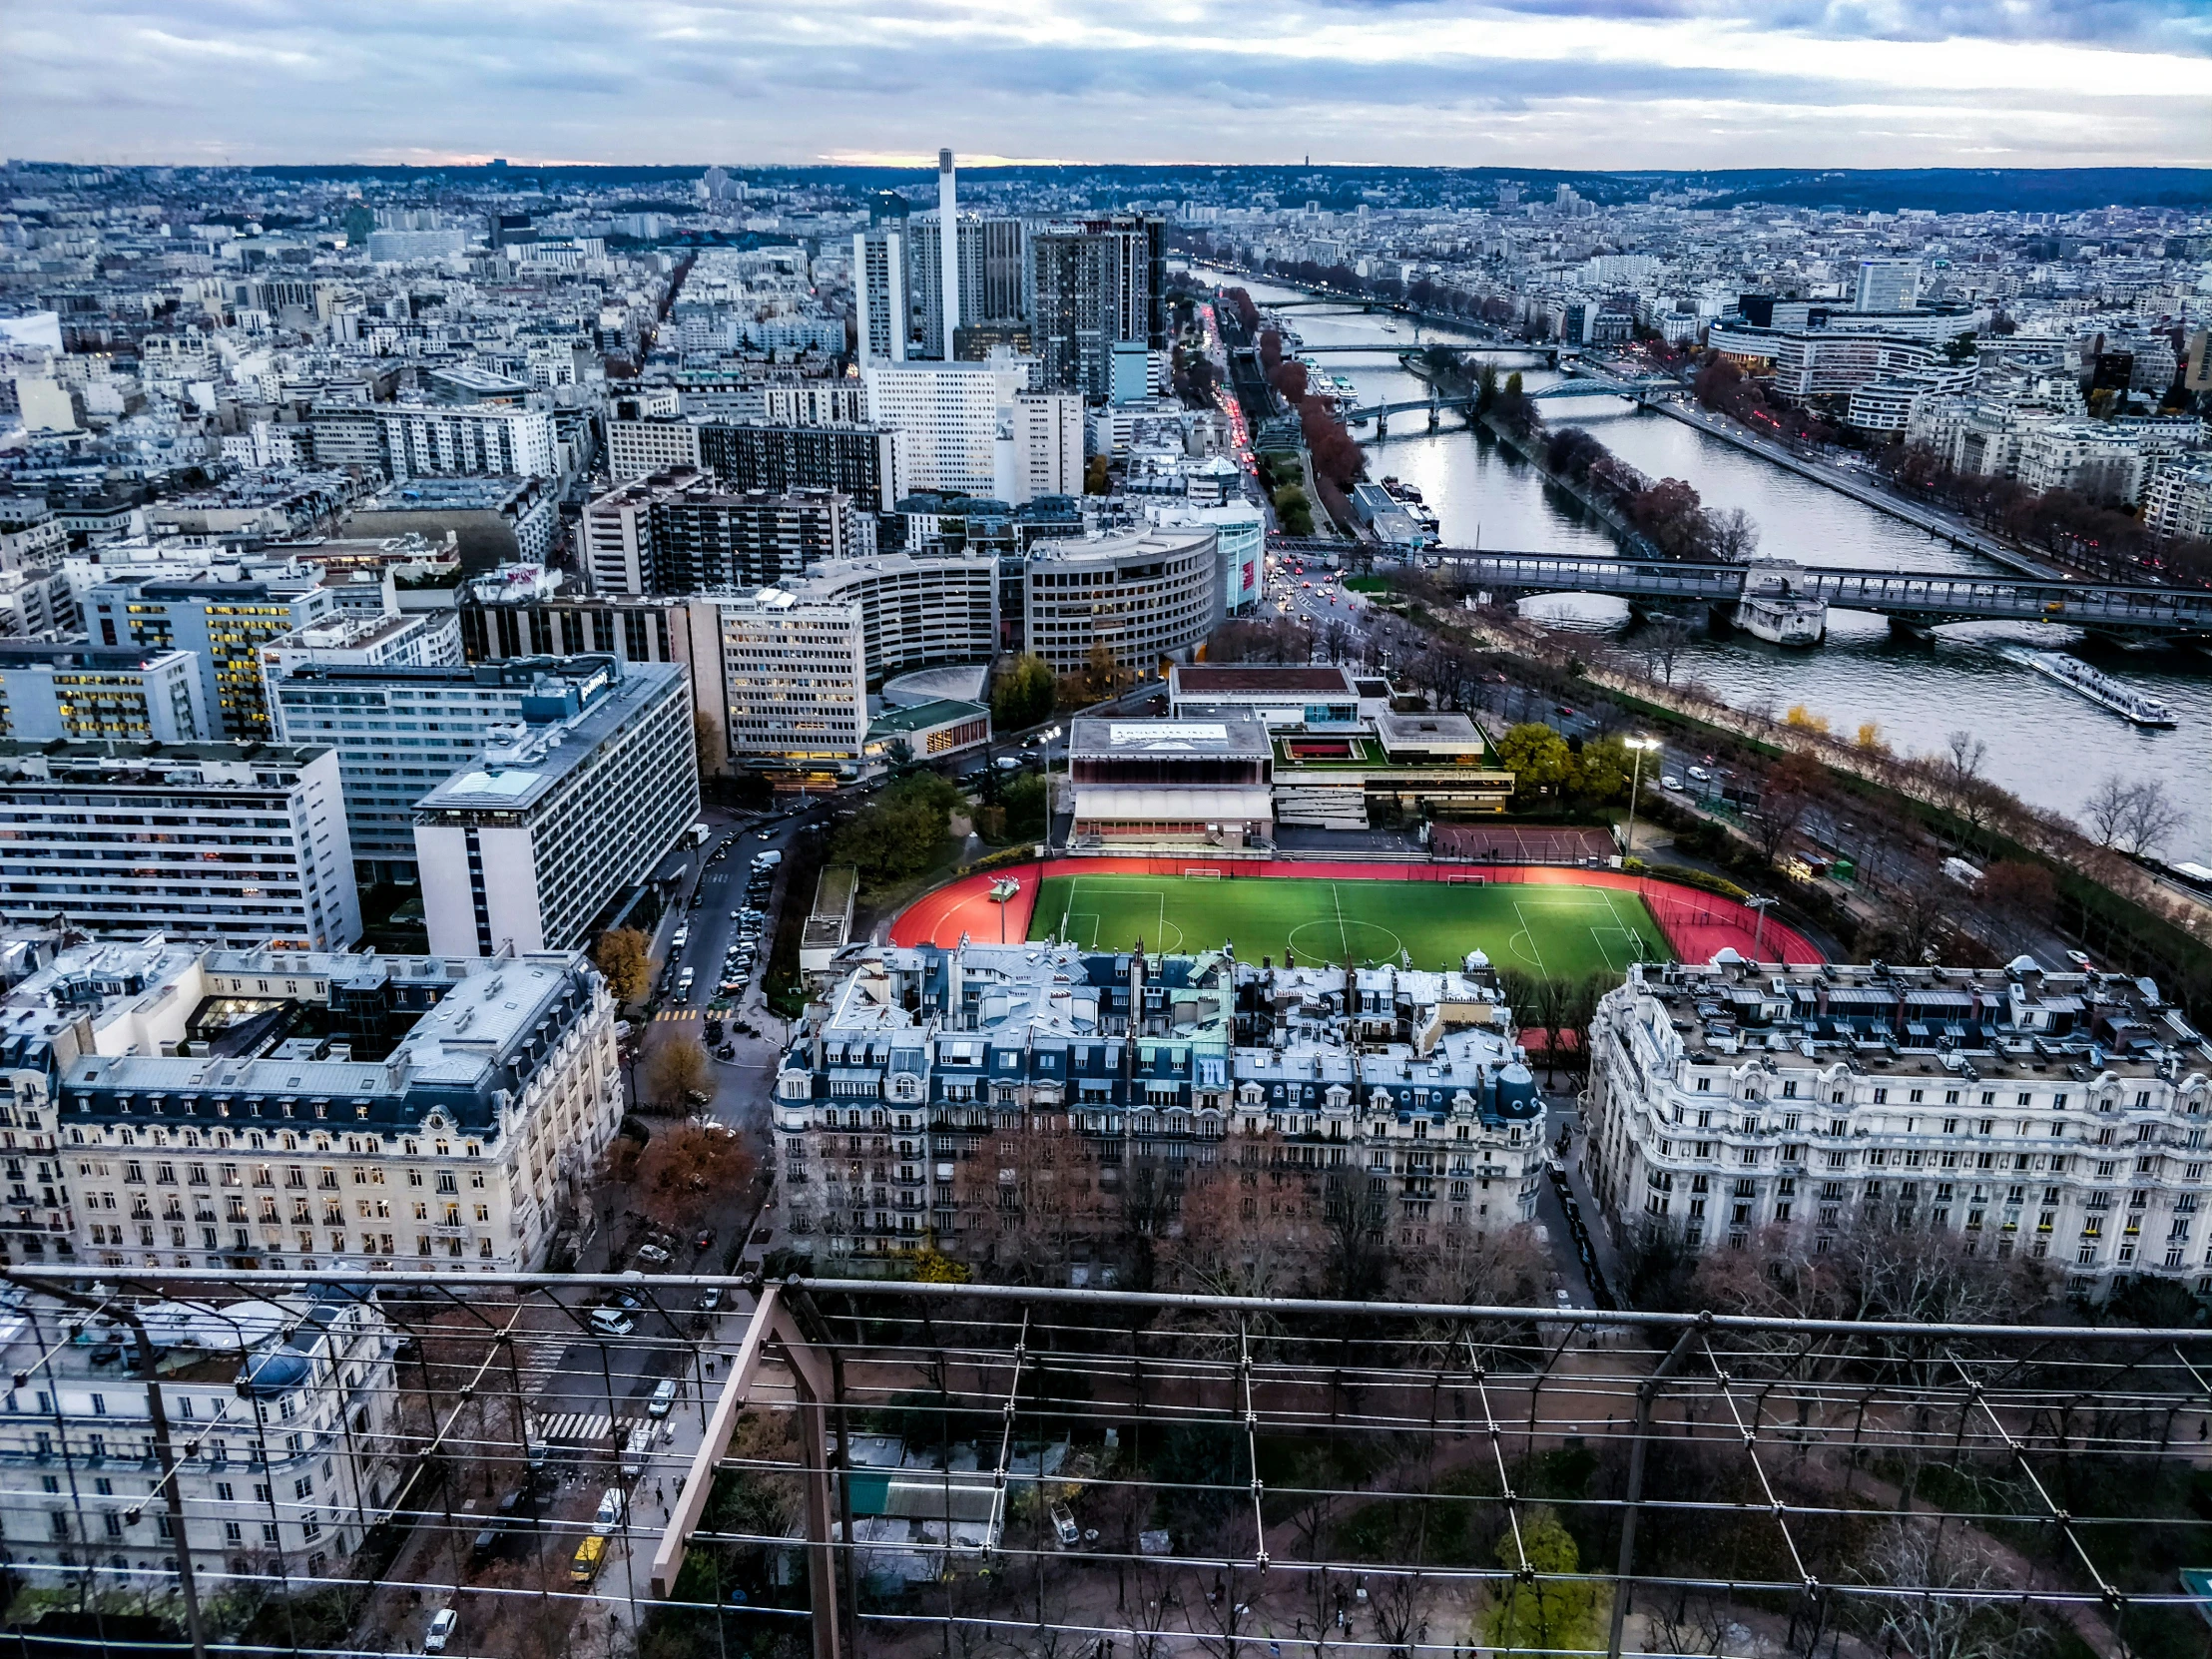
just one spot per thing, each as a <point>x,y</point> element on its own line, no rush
<point>1539,760</point>
<point>1605,773</point>
<point>1025,804</point>
<point>1550,1614</point>
<point>902,833</point>
<point>714,755</point>
<point>1023,695</point>
<point>1094,475</point>
<point>625,957</point>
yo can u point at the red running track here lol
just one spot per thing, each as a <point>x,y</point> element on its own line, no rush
<point>1697,924</point>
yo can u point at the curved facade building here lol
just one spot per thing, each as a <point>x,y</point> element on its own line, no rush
<point>1143,594</point>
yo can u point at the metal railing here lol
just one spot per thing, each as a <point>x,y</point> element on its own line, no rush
<point>873,1467</point>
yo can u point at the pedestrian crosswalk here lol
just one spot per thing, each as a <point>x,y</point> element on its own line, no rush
<point>535,1362</point>
<point>676,1013</point>
<point>580,1427</point>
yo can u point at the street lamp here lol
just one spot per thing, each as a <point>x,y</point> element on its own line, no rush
<point>1636,778</point>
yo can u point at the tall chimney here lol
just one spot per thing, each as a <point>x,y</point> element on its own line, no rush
<point>948,248</point>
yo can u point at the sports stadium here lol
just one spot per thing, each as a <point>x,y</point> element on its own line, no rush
<point>1550,921</point>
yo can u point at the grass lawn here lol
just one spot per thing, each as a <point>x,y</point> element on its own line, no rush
<point>1559,931</point>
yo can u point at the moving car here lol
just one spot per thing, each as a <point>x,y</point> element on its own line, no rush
<point>441,1630</point>
<point>610,1512</point>
<point>634,1449</point>
<point>612,1321</point>
<point>710,1300</point>
<point>1671,784</point>
<point>663,1398</point>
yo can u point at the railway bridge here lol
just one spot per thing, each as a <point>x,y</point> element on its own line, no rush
<point>1910,599</point>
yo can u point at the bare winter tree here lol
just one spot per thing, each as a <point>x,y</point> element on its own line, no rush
<point>1732,536</point>
<point>2151,818</point>
<point>1969,1623</point>
<point>1662,642</point>
<point>1964,755</point>
<point>2106,811</point>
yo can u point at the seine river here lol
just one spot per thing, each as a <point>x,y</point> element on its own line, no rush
<point>2044,744</point>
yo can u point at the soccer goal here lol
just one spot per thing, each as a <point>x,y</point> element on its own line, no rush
<point>1462,879</point>
<point>1201,875</point>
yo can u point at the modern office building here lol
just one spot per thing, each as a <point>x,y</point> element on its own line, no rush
<point>682,533</point>
<point>1144,596</point>
<point>315,1110</point>
<point>224,623</point>
<point>652,444</point>
<point>527,849</point>
<point>794,680</point>
<point>857,461</point>
<point>916,609</point>
<point>977,429</point>
<point>432,440</point>
<point>991,1099</point>
<point>1887,286</point>
<point>280,1416</point>
<point>369,639</point>
<point>400,730</point>
<point>1092,282</point>
<point>240,842</point>
<point>2053,1116</point>
<point>78,693</point>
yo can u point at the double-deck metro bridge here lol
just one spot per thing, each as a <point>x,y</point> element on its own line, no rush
<point>1910,598</point>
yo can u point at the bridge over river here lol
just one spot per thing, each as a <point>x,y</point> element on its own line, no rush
<point>1910,599</point>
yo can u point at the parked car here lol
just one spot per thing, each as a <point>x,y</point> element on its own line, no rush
<point>441,1630</point>
<point>486,1543</point>
<point>653,1256</point>
<point>590,1554</point>
<point>1064,1527</point>
<point>710,1300</point>
<point>1670,783</point>
<point>663,1398</point>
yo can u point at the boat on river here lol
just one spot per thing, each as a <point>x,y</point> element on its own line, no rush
<point>2101,688</point>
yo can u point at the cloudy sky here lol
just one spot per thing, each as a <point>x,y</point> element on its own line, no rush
<point>1559,83</point>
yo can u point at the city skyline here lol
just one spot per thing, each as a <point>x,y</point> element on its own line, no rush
<point>1558,83</point>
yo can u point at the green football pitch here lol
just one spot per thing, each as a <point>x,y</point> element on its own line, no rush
<point>1560,933</point>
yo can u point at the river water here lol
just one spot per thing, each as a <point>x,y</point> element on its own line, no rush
<point>2045,745</point>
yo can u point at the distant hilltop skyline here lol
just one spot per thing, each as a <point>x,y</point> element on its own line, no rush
<point>1515,83</point>
<point>2056,190</point>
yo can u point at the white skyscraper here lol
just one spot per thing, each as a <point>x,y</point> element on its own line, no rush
<point>948,248</point>
<point>880,290</point>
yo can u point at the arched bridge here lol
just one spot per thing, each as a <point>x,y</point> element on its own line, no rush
<point>1911,598</point>
<point>1604,386</point>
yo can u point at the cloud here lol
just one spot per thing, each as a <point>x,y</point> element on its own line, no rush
<point>1571,83</point>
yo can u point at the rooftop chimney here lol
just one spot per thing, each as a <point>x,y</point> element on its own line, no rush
<point>948,248</point>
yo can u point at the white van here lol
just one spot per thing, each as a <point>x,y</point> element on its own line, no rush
<point>635,1448</point>
<point>767,860</point>
<point>609,1515</point>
